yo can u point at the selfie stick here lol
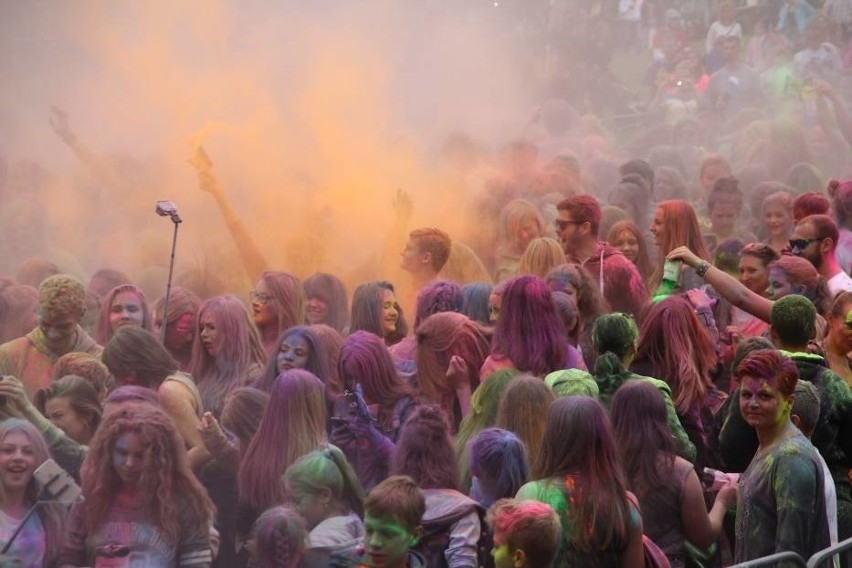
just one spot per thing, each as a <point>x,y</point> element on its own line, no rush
<point>44,497</point>
<point>167,209</point>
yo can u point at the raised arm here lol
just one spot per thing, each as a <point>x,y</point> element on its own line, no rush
<point>727,286</point>
<point>253,260</point>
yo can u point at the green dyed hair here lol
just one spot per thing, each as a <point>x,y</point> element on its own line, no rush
<point>327,469</point>
<point>614,335</point>
<point>793,319</point>
<point>572,382</point>
<point>484,405</point>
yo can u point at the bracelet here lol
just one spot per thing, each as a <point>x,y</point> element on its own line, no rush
<point>702,268</point>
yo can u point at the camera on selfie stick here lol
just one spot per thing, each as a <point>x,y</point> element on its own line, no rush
<point>168,209</point>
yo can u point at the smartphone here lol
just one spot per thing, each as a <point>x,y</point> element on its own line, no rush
<point>57,482</point>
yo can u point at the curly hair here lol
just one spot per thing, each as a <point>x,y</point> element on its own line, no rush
<point>166,490</point>
<point>84,365</point>
<point>103,329</point>
<point>62,295</point>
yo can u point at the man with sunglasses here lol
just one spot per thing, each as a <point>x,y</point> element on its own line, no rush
<point>618,278</point>
<point>815,239</point>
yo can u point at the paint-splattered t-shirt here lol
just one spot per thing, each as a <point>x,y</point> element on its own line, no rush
<point>29,546</point>
<point>781,502</point>
<point>127,525</point>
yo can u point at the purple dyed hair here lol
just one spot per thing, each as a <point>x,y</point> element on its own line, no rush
<point>292,426</point>
<point>529,331</point>
<point>436,297</point>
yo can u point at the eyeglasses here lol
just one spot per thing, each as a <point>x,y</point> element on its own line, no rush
<point>802,244</point>
<point>562,224</point>
<point>259,297</point>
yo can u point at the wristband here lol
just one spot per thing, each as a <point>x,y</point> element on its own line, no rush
<point>702,268</point>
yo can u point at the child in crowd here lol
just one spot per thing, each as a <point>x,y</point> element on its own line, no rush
<point>526,534</point>
<point>392,525</point>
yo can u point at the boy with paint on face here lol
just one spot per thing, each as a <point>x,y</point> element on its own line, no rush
<point>526,534</point>
<point>392,524</point>
<point>781,502</point>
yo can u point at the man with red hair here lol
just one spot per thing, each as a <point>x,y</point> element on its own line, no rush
<point>577,227</point>
<point>781,505</point>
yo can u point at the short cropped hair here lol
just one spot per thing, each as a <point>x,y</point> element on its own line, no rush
<point>824,227</point>
<point>62,295</point>
<point>773,367</point>
<point>806,406</point>
<point>793,319</point>
<point>530,526</point>
<point>399,498</point>
<point>434,241</point>
<point>584,208</point>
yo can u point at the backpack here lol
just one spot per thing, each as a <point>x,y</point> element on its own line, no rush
<point>435,539</point>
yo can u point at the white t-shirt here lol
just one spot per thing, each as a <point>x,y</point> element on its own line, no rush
<point>838,283</point>
<point>719,30</point>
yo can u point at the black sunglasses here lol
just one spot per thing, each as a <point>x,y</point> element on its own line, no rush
<point>561,224</point>
<point>802,244</point>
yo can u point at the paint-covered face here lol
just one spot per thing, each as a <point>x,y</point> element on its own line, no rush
<point>263,307</point>
<point>628,244</point>
<point>293,353</point>
<point>17,461</point>
<point>60,412</point>
<point>753,274</point>
<point>317,310</point>
<point>126,309</point>
<point>386,542</point>
<point>179,333</point>
<point>778,219</point>
<point>841,329</point>
<point>208,334</point>
<point>502,553</point>
<point>60,331</point>
<point>390,312</point>
<point>128,458</point>
<point>723,218</point>
<point>779,285</point>
<point>761,404</point>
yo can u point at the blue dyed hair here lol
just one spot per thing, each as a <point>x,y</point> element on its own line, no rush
<point>475,301</point>
<point>499,460</point>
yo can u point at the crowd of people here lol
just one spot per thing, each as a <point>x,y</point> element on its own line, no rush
<point>639,354</point>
